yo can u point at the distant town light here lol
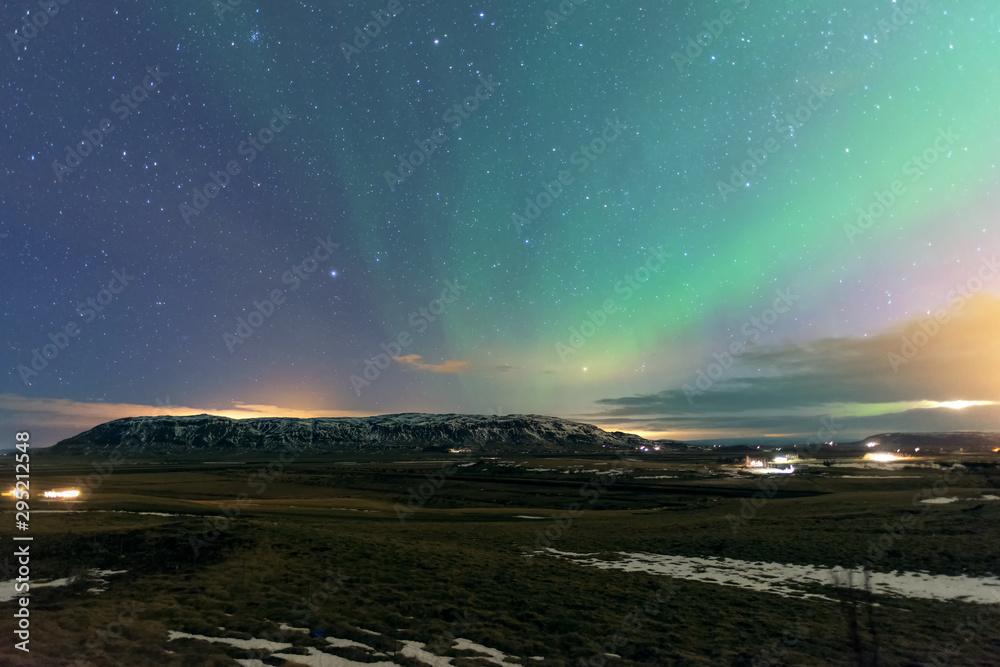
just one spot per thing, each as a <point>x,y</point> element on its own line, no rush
<point>882,457</point>
<point>69,493</point>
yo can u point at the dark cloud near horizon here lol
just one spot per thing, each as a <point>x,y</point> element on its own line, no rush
<point>787,388</point>
<point>818,426</point>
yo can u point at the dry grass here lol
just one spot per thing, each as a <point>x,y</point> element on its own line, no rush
<point>454,568</point>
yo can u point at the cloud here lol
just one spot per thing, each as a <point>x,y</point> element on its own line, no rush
<point>895,378</point>
<point>415,361</point>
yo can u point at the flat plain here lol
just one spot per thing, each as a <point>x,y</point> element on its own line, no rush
<point>466,560</point>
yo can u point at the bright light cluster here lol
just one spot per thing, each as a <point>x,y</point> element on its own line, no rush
<point>71,493</point>
<point>882,457</point>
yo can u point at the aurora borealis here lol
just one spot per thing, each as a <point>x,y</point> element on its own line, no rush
<point>464,205</point>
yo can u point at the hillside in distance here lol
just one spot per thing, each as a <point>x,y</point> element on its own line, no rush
<point>968,441</point>
<point>168,435</point>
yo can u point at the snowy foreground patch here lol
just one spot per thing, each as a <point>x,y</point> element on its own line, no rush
<point>316,658</point>
<point>8,591</point>
<point>790,580</point>
<point>954,499</point>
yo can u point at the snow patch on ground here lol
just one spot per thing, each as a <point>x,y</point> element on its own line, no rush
<point>232,641</point>
<point>415,650</point>
<point>946,500</point>
<point>102,583</point>
<point>315,658</point>
<point>290,628</point>
<point>787,580</point>
<point>493,655</point>
<point>8,592</point>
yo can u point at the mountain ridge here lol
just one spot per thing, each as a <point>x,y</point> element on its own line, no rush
<point>403,431</point>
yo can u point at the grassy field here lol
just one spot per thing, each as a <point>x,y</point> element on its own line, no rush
<point>385,552</point>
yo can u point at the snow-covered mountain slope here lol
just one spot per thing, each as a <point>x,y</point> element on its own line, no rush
<point>409,431</point>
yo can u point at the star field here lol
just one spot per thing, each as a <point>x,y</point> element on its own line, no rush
<point>294,189</point>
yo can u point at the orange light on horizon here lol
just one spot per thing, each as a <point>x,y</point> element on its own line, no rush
<point>882,457</point>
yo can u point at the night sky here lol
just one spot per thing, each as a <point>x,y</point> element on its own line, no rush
<point>687,220</point>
